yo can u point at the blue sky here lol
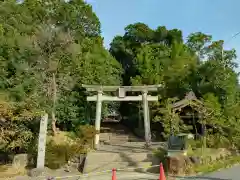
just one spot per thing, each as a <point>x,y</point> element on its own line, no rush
<point>220,18</point>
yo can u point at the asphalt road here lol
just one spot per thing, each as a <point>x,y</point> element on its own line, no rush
<point>120,176</point>
<point>232,173</point>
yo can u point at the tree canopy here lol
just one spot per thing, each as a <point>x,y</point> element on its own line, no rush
<point>49,48</point>
<point>198,64</point>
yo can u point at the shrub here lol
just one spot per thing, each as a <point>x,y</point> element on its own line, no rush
<point>161,154</point>
<point>58,155</point>
<point>194,144</point>
<point>86,134</point>
<point>15,138</point>
<point>217,141</point>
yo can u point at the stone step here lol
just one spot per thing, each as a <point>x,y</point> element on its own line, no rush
<point>104,137</point>
<point>113,137</point>
<point>119,135</point>
<point>121,131</point>
<point>119,138</point>
<point>120,166</point>
<point>121,156</point>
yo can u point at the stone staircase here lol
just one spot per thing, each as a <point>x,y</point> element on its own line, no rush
<point>114,138</point>
<point>120,149</point>
<point>130,156</point>
<point>115,133</point>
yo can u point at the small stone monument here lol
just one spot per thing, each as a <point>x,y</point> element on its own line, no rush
<point>20,160</point>
<point>42,141</point>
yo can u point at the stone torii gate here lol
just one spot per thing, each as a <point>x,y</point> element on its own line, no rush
<point>100,97</point>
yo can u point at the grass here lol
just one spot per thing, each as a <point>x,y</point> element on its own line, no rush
<point>208,166</point>
<point>198,152</point>
<point>216,165</point>
<point>7,171</point>
<point>212,159</point>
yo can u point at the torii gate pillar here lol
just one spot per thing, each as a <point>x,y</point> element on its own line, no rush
<point>146,115</point>
<point>98,119</point>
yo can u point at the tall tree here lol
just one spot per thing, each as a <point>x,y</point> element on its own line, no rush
<point>53,47</point>
<point>160,56</point>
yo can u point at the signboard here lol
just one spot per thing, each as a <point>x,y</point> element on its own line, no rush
<point>121,92</point>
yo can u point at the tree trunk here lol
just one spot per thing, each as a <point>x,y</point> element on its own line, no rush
<point>54,128</point>
<point>54,98</point>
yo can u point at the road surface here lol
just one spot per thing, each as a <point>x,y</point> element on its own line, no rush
<point>232,173</point>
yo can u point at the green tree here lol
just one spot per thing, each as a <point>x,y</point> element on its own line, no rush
<point>161,57</point>
<point>48,52</point>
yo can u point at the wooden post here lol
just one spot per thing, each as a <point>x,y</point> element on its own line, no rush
<point>146,119</point>
<point>98,119</point>
<point>42,141</point>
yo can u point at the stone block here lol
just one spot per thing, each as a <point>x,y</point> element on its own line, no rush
<point>195,160</point>
<point>20,160</point>
<point>178,165</point>
<point>40,172</point>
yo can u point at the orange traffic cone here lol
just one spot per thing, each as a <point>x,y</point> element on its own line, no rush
<point>162,174</point>
<point>114,176</point>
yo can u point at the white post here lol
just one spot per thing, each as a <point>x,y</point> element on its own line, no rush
<point>42,141</point>
<point>149,124</point>
<point>98,118</point>
<point>146,119</point>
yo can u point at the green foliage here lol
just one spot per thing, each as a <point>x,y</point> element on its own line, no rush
<point>161,154</point>
<point>47,53</point>
<point>86,134</point>
<point>216,165</point>
<point>218,141</point>
<point>15,139</point>
<point>170,120</point>
<point>49,48</point>
<point>58,155</point>
<point>159,56</point>
<point>15,135</point>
